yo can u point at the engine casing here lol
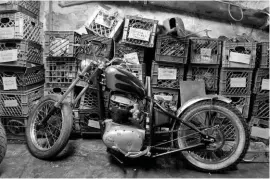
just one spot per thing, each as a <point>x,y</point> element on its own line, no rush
<point>126,138</point>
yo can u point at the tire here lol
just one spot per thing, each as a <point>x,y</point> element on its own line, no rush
<point>3,142</point>
<point>237,122</point>
<point>61,142</point>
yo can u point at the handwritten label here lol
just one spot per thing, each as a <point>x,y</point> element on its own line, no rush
<point>167,74</point>
<point>7,33</point>
<point>94,124</point>
<point>10,103</point>
<point>265,84</point>
<point>8,55</point>
<point>139,34</point>
<point>132,58</point>
<point>9,83</point>
<point>206,54</point>
<point>238,82</point>
<point>104,21</point>
<point>239,57</point>
<point>164,97</point>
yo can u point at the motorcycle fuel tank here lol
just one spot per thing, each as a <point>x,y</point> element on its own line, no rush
<point>118,79</point>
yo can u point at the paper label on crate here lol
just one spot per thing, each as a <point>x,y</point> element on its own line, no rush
<point>206,54</point>
<point>132,58</point>
<point>102,20</point>
<point>8,55</point>
<point>139,34</point>
<point>94,124</point>
<point>238,82</point>
<point>239,58</point>
<point>167,74</point>
<point>265,84</point>
<point>164,97</point>
<point>9,83</point>
<point>240,108</point>
<point>10,103</point>
<point>7,33</point>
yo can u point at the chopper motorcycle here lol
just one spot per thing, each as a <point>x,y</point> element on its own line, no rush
<point>209,132</point>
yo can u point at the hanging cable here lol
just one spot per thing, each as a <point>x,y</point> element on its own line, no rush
<point>229,10</point>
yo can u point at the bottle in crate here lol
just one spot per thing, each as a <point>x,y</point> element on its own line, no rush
<point>19,103</point>
<point>171,49</point>
<point>263,55</point>
<point>208,74</point>
<point>139,31</point>
<point>20,53</point>
<point>235,81</point>
<point>20,26</point>
<point>21,79</point>
<point>205,51</point>
<point>239,54</point>
<point>165,75</point>
<point>62,44</point>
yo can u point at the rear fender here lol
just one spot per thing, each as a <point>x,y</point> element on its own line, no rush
<point>198,99</point>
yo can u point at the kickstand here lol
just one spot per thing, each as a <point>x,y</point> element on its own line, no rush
<point>119,160</point>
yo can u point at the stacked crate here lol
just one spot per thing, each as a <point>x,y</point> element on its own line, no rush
<point>260,111</point>
<point>168,70</point>
<point>21,66</point>
<point>205,60</point>
<point>238,63</point>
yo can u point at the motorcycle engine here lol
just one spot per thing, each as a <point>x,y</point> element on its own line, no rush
<point>124,130</point>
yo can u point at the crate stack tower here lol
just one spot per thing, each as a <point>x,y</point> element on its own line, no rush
<point>260,98</point>
<point>205,61</point>
<point>168,70</point>
<point>21,64</point>
<point>238,63</point>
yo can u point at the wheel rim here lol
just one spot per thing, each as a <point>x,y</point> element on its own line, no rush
<point>44,138</point>
<point>227,136</point>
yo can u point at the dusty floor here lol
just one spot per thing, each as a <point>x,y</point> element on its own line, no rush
<point>84,158</point>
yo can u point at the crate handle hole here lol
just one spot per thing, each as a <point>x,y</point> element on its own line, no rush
<point>10,96</point>
<point>57,90</point>
<point>60,63</point>
<point>10,45</point>
<point>5,20</point>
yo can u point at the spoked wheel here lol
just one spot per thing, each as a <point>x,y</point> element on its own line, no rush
<point>225,124</point>
<point>45,142</point>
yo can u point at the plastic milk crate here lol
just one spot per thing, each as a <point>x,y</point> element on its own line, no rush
<point>205,51</point>
<point>263,54</point>
<point>15,128</point>
<point>104,23</point>
<point>62,43</point>
<point>59,91</point>
<point>129,52</point>
<point>20,26</point>
<point>261,83</point>
<point>139,31</point>
<point>172,49</point>
<point>19,103</point>
<point>60,71</point>
<point>102,45</point>
<point>235,81</point>
<point>89,121</point>
<point>30,7</point>
<point>21,78</point>
<point>261,107</point>
<point>241,102</point>
<point>239,55</point>
<point>208,74</point>
<point>166,75</point>
<point>20,53</point>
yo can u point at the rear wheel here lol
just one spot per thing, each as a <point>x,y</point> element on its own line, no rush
<point>3,142</point>
<point>225,124</point>
<point>45,142</point>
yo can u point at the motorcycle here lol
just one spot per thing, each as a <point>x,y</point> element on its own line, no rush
<point>209,132</point>
<point>3,142</point>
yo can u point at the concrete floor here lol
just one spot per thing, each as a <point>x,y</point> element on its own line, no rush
<point>87,158</point>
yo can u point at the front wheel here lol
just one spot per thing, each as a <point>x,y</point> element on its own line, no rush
<point>225,124</point>
<point>45,142</point>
